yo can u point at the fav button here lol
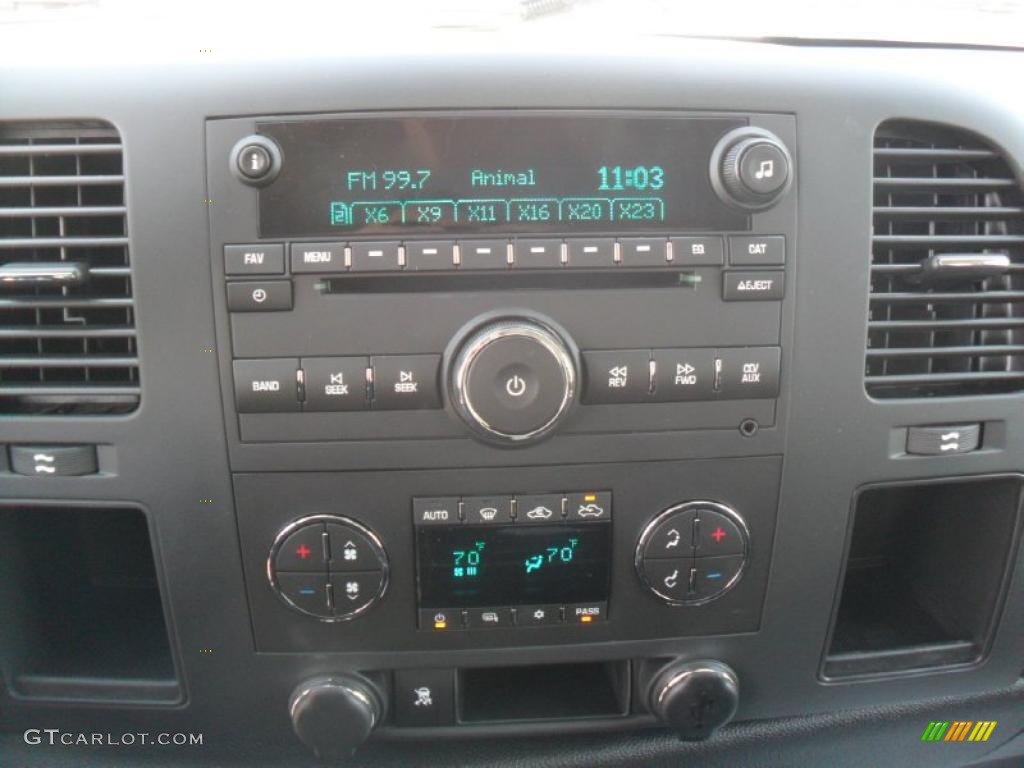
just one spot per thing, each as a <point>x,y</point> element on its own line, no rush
<point>335,383</point>
<point>265,296</point>
<point>258,259</point>
<point>716,534</point>
<point>267,385</point>
<point>406,382</point>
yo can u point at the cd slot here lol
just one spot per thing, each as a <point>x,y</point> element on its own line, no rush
<point>540,280</point>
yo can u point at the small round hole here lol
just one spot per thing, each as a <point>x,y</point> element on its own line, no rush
<point>748,427</point>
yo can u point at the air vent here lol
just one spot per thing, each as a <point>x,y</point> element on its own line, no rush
<point>947,266</point>
<point>67,327</point>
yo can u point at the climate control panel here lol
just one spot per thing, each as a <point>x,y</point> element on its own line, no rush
<point>328,566</point>
<point>693,553</point>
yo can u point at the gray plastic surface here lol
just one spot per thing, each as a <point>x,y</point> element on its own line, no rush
<point>172,455</point>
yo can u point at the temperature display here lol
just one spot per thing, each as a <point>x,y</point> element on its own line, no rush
<point>495,173</point>
<point>466,566</point>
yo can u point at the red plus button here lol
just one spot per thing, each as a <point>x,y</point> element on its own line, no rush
<point>716,534</point>
<point>303,550</point>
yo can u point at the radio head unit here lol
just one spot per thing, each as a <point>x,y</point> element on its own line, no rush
<point>513,276</point>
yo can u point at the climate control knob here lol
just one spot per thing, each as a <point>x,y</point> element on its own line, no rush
<point>695,698</point>
<point>751,168</point>
<point>512,381</point>
<point>334,715</point>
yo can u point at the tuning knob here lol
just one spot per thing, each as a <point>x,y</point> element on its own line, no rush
<point>751,168</point>
<point>334,715</point>
<point>512,381</point>
<point>695,698</point>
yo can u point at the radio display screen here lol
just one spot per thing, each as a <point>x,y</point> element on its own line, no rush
<point>504,173</point>
<point>463,566</point>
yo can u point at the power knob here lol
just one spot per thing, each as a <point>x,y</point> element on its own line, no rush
<point>513,380</point>
<point>334,715</point>
<point>751,169</point>
<point>695,698</point>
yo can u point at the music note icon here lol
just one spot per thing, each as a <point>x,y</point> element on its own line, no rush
<point>766,170</point>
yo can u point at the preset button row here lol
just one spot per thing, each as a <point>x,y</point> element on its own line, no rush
<point>329,257</point>
<point>523,509</point>
<point>673,375</point>
<point>381,382</point>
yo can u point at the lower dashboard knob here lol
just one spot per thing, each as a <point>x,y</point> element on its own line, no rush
<point>334,715</point>
<point>513,381</point>
<point>695,698</point>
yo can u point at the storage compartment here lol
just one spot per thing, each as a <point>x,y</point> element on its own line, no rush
<point>547,692</point>
<point>83,617</point>
<point>924,576</point>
